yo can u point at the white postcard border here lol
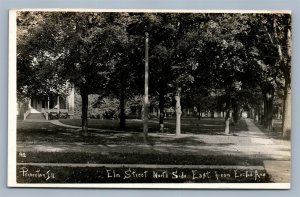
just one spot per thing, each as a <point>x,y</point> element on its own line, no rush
<point>12,122</point>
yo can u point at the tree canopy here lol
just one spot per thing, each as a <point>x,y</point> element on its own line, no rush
<point>215,62</point>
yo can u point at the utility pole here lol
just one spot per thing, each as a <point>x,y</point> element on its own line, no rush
<point>146,96</point>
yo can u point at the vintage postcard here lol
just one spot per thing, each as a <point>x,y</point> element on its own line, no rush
<point>149,98</point>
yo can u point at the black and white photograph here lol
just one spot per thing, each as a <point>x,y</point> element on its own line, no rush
<point>150,98</point>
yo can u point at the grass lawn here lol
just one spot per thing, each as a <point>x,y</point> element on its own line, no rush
<point>45,134</point>
<point>188,125</point>
<point>137,158</point>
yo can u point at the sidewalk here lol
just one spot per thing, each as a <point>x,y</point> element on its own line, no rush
<point>279,170</point>
<point>58,123</point>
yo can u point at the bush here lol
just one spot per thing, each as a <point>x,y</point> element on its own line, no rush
<point>63,115</point>
<point>94,116</point>
<point>110,114</point>
<point>53,115</point>
<point>133,116</point>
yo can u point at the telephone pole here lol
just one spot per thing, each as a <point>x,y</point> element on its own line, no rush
<point>146,96</point>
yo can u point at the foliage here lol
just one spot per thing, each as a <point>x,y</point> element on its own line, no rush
<point>212,59</point>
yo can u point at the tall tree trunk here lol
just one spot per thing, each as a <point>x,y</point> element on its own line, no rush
<point>178,113</point>
<point>286,70</point>
<point>259,113</point>
<point>268,106</point>
<point>265,111</point>
<point>251,113</point>
<point>227,121</point>
<point>287,114</point>
<point>199,114</point>
<point>255,113</point>
<point>287,110</point>
<point>84,112</point>
<point>279,113</point>
<point>227,117</point>
<point>162,110</point>
<point>235,114</point>
<point>122,110</point>
<point>212,115</point>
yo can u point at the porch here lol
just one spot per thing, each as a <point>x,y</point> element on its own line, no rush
<point>50,107</point>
